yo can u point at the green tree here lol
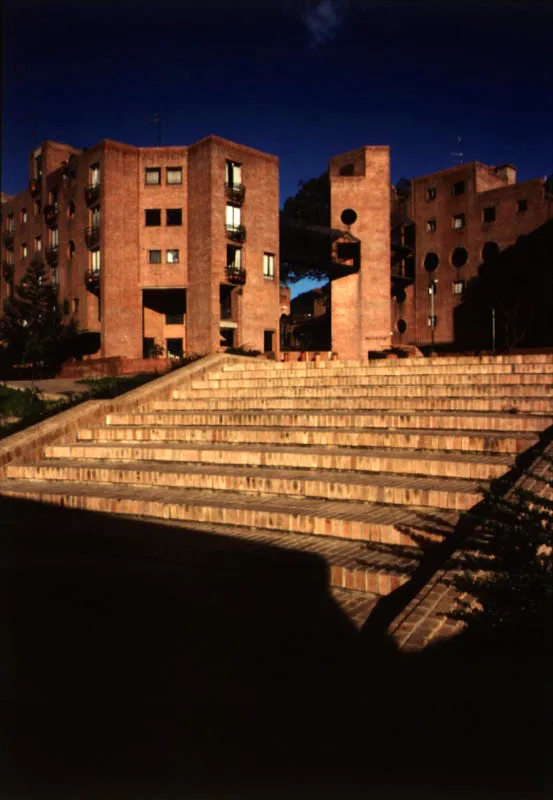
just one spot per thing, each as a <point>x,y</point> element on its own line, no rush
<point>303,253</point>
<point>32,328</point>
<point>507,582</point>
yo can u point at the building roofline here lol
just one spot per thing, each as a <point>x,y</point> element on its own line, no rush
<point>213,138</point>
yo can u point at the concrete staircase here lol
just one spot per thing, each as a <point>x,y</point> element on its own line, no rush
<point>367,464</point>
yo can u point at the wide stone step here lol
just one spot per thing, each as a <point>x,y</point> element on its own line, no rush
<point>429,368</point>
<point>448,493</point>
<point>260,363</point>
<point>332,419</point>
<point>476,467</point>
<point>312,381</point>
<point>481,441</point>
<point>464,390</point>
<point>383,526</point>
<point>532,405</point>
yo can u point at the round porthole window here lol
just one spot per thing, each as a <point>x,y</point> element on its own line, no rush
<point>490,251</point>
<point>431,262</point>
<point>348,216</point>
<point>459,257</point>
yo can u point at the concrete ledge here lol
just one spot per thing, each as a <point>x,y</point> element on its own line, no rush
<point>27,445</point>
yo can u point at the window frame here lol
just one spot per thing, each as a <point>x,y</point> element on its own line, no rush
<point>458,188</point>
<point>172,250</point>
<point>152,171</point>
<point>461,218</point>
<point>151,260</point>
<point>173,224</point>
<point>431,225</point>
<point>269,266</point>
<point>430,194</point>
<point>150,211</point>
<point>171,182</point>
<point>487,211</point>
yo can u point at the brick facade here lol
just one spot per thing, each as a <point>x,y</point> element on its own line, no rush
<point>141,285</point>
<point>491,210</point>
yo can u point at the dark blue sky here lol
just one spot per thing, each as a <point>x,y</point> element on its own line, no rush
<point>303,79</point>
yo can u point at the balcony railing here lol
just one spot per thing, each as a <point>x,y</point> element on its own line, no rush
<point>52,254</point>
<point>34,187</point>
<point>51,215</point>
<point>235,192</point>
<point>7,271</point>
<point>92,194</point>
<point>92,237</point>
<point>8,239</point>
<point>236,233</point>
<point>236,275</point>
<point>92,280</point>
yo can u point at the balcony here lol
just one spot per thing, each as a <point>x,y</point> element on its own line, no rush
<point>92,237</point>
<point>7,271</point>
<point>69,168</point>
<point>92,280</point>
<point>92,194</point>
<point>34,187</point>
<point>8,239</point>
<point>235,192</point>
<point>52,254</point>
<point>51,215</point>
<point>236,233</point>
<point>236,275</point>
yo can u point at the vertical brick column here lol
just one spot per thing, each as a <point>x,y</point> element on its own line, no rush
<point>120,295</point>
<point>202,315</point>
<point>361,317</point>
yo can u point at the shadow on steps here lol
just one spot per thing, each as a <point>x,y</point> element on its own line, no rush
<point>153,661</point>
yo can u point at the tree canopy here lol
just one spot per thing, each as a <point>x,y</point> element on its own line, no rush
<point>32,329</point>
<point>300,256</point>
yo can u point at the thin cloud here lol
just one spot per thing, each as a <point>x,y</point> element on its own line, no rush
<point>322,20</point>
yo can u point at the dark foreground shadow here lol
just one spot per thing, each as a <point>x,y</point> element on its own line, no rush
<point>143,660</point>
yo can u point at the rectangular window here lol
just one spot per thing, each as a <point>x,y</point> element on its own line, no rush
<point>38,166</point>
<point>234,256</point>
<point>488,214</point>
<point>433,287</point>
<point>153,216</point>
<point>233,174</point>
<point>173,176</point>
<point>174,216</point>
<point>53,199</point>
<point>94,174</point>
<point>233,216</point>
<point>54,276</point>
<point>38,244</point>
<point>9,257</point>
<point>37,208</point>
<point>10,224</point>
<point>153,176</point>
<point>458,188</point>
<point>522,205</point>
<point>95,260</point>
<point>268,266</point>
<point>431,322</point>
<point>174,348</point>
<point>75,304</point>
<point>172,256</point>
<point>24,251</point>
<point>174,319</point>
<point>95,217</point>
<point>347,170</point>
<point>431,193</point>
<point>458,287</point>
<point>154,256</point>
<point>54,237</point>
<point>23,216</point>
<point>431,226</point>
<point>459,221</point>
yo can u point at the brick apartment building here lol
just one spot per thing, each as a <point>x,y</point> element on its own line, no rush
<point>174,249</point>
<point>444,226</point>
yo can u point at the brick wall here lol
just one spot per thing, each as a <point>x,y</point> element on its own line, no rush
<point>367,192</point>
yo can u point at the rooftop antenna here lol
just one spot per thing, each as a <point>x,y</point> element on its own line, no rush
<point>460,154</point>
<point>157,120</point>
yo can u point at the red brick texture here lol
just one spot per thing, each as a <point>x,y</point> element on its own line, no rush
<point>361,318</point>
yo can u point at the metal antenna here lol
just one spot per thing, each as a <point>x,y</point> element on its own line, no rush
<point>460,154</point>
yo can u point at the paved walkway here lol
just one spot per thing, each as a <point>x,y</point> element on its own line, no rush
<point>50,387</point>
